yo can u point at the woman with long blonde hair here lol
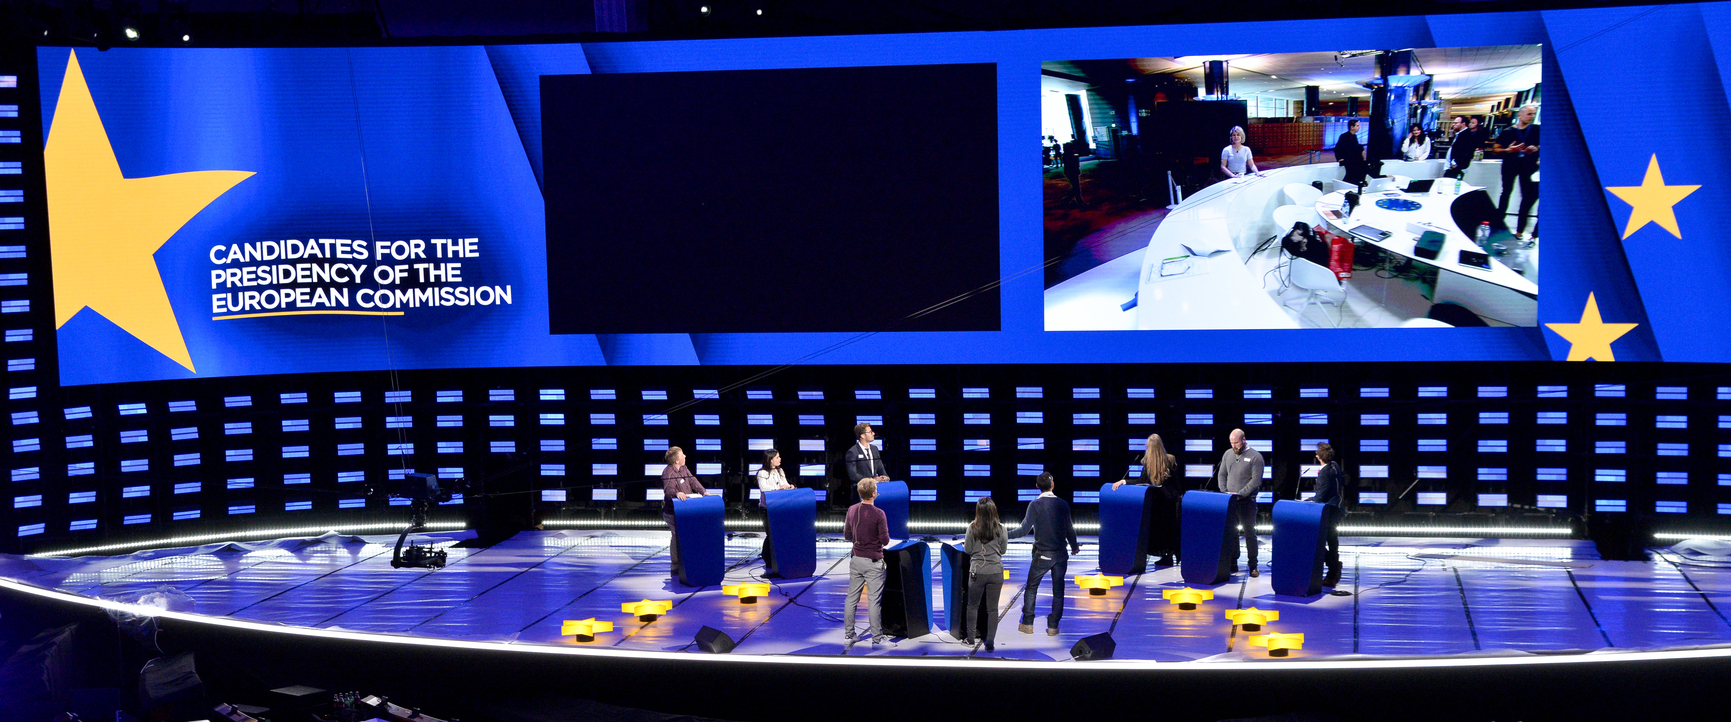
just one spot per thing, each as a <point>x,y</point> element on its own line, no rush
<point>1161,507</point>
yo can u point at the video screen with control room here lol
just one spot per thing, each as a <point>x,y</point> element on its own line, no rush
<point>1360,188</point>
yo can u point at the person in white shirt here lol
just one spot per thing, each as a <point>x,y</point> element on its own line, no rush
<point>1236,159</point>
<point>771,477</point>
<point>1416,146</point>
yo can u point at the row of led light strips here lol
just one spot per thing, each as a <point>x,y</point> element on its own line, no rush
<point>1662,393</point>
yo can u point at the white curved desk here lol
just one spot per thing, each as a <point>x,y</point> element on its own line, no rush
<point>1499,293</point>
<point>1218,292</point>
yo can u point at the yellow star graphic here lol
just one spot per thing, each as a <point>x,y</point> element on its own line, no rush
<point>1592,337</point>
<point>1652,201</point>
<point>106,228</point>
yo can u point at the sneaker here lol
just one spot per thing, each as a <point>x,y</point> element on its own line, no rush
<point>882,641</point>
<point>1051,631</point>
<point>1025,628</point>
<point>970,641</point>
<point>848,636</point>
<point>1255,573</point>
<point>990,647</point>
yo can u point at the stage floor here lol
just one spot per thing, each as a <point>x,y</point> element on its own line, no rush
<point>1412,597</point>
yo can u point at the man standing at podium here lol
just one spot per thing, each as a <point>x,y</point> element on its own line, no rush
<point>1048,519</point>
<point>1240,475</point>
<point>864,461</point>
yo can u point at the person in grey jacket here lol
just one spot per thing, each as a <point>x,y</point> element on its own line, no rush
<point>985,546</point>
<point>1240,475</point>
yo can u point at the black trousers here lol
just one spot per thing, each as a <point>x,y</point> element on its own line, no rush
<point>1529,192</point>
<point>1244,509</point>
<point>1331,535</point>
<point>984,588</point>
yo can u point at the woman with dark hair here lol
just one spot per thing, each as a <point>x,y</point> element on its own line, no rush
<point>1416,146</point>
<point>1328,491</point>
<point>771,477</point>
<point>1161,512</point>
<point>986,543</point>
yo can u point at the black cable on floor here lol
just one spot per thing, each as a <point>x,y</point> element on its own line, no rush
<point>1589,607</point>
<point>1469,612</point>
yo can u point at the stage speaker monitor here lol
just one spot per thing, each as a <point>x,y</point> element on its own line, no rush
<point>1094,647</point>
<point>714,641</point>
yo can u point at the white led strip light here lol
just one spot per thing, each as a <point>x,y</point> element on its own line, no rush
<point>957,527</point>
<point>925,662</point>
<point>269,532</point>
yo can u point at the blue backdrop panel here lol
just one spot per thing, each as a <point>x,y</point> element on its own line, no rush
<point>907,610</point>
<point>698,522</point>
<point>1298,551</point>
<point>1209,544</point>
<point>1123,538</point>
<point>792,526</point>
<point>893,500</point>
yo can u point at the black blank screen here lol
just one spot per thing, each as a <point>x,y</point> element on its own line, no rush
<point>810,200</point>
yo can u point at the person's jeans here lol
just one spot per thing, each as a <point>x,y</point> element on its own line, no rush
<point>1244,510</point>
<point>984,587</point>
<point>868,574</point>
<point>1056,562</point>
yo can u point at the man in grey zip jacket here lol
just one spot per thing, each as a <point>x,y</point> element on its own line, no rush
<point>1240,475</point>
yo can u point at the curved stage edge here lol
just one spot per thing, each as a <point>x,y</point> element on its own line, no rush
<point>471,675</point>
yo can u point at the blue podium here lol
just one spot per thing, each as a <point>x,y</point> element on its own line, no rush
<point>1298,552</point>
<point>955,567</point>
<point>893,500</point>
<point>790,546</point>
<point>1210,544</point>
<point>1124,529</point>
<point>907,606</point>
<point>697,524</point>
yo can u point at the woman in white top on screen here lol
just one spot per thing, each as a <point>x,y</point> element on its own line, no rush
<point>771,477</point>
<point>1416,146</point>
<point>1235,159</point>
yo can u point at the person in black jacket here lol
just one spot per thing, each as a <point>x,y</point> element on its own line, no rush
<point>1328,491</point>
<point>1161,514</point>
<point>1350,153</point>
<point>1468,138</point>
<point>862,460</point>
<point>1048,519</point>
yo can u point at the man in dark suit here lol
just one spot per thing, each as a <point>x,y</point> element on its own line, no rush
<point>864,461</point>
<point>1350,153</point>
<point>1468,138</point>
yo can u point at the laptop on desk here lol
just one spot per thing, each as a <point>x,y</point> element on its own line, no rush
<point>1420,186</point>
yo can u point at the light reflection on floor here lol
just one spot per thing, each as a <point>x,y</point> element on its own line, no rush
<point>1412,597</point>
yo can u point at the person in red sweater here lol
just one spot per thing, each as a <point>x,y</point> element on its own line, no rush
<point>869,531</point>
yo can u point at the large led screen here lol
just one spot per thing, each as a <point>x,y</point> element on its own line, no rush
<point>1060,196</point>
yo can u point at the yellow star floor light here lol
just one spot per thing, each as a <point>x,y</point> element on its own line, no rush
<point>585,629</point>
<point>1098,584</point>
<point>1187,598</point>
<point>747,593</point>
<point>1278,644</point>
<point>647,610</point>
<point>1252,619</point>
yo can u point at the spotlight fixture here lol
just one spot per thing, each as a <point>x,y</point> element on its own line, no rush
<point>130,32</point>
<point>1098,584</point>
<point>1278,644</point>
<point>1187,598</point>
<point>1252,619</point>
<point>747,593</point>
<point>704,9</point>
<point>584,629</point>
<point>647,610</point>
